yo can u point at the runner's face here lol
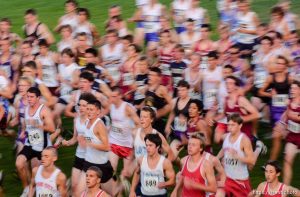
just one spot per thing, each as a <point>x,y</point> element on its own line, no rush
<point>295,91</point>
<point>227,72</point>
<point>84,85</point>
<point>193,110</point>
<point>90,58</point>
<point>82,16</point>
<point>4,26</point>
<point>69,7</point>
<point>82,107</point>
<point>153,77</point>
<point>142,65</point>
<point>194,146</point>
<point>182,92</point>
<point>92,111</point>
<point>66,59</point>
<point>43,50</point>
<point>151,148</point>
<point>29,18</point>
<point>131,51</point>
<point>233,127</point>
<point>91,179</point>
<point>66,33</point>
<point>28,72</point>
<point>114,12</point>
<point>115,97</point>
<point>48,158</point>
<point>281,64</point>
<point>26,49</point>
<point>195,60</point>
<point>5,45</point>
<point>145,119</point>
<point>266,45</point>
<point>32,99</point>
<point>111,38</point>
<point>23,86</point>
<point>270,174</point>
<point>165,38</point>
<point>230,85</point>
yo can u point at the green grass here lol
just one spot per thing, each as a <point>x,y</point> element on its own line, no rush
<point>49,13</point>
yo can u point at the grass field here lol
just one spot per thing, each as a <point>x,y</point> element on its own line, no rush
<point>49,12</point>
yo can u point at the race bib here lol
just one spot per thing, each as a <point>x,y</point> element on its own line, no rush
<point>176,80</point>
<point>260,78</point>
<point>180,124</point>
<point>128,79</point>
<point>210,95</point>
<point>116,129</point>
<point>280,100</point>
<point>35,137</point>
<point>150,183</point>
<point>114,72</point>
<point>165,69</point>
<point>293,126</point>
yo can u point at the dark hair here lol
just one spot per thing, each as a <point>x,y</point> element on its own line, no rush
<point>87,75</point>
<point>277,10</point>
<point>198,103</point>
<point>31,11</point>
<point>44,43</point>
<point>99,172</point>
<point>30,64</point>
<point>190,20</point>
<point>85,10</point>
<point>199,136</point>
<point>96,103</point>
<point>112,31</point>
<point>213,54</point>
<point>297,83</point>
<point>283,58</point>
<point>116,89</point>
<point>150,110</point>
<point>65,27</point>
<point>235,117</point>
<point>208,26</point>
<point>267,38</point>
<point>92,51</point>
<point>87,97</point>
<point>236,80</point>
<point>275,164</point>
<point>156,70</point>
<point>128,37</point>
<point>5,19</point>
<point>90,67</point>
<point>143,58</point>
<point>68,52</point>
<point>75,3</point>
<point>154,138</point>
<point>136,47</point>
<point>229,67</point>
<point>179,47</point>
<point>81,34</point>
<point>184,84</point>
<point>27,42</point>
<point>35,91</point>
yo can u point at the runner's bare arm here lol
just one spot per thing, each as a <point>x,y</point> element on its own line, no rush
<point>61,184</point>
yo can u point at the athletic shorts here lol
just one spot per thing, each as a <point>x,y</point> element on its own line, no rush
<point>121,151</point>
<point>237,188</point>
<point>29,153</point>
<point>62,101</point>
<point>151,37</point>
<point>106,168</point>
<point>78,163</point>
<point>179,30</point>
<point>293,138</point>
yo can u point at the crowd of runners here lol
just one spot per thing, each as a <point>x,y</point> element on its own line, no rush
<point>163,96</point>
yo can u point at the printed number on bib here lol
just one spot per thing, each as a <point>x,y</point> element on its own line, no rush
<point>180,124</point>
<point>35,137</point>
<point>128,79</point>
<point>150,183</point>
<point>279,100</point>
<point>210,95</point>
<point>165,69</point>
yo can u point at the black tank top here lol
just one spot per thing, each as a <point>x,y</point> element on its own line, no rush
<point>153,100</point>
<point>281,87</point>
<point>184,111</point>
<point>33,36</point>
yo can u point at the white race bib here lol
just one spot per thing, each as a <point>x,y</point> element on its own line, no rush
<point>293,126</point>
<point>280,100</point>
<point>35,137</point>
<point>210,95</point>
<point>150,183</point>
<point>128,79</point>
<point>165,69</point>
<point>180,124</point>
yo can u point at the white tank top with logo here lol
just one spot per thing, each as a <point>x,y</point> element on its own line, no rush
<point>114,59</point>
<point>37,138</point>
<point>151,17</point>
<point>49,70</point>
<point>46,187</point>
<point>93,155</point>
<point>81,130</point>
<point>151,177</point>
<point>179,8</point>
<point>139,144</point>
<point>246,22</point>
<point>121,128</point>
<point>234,168</point>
